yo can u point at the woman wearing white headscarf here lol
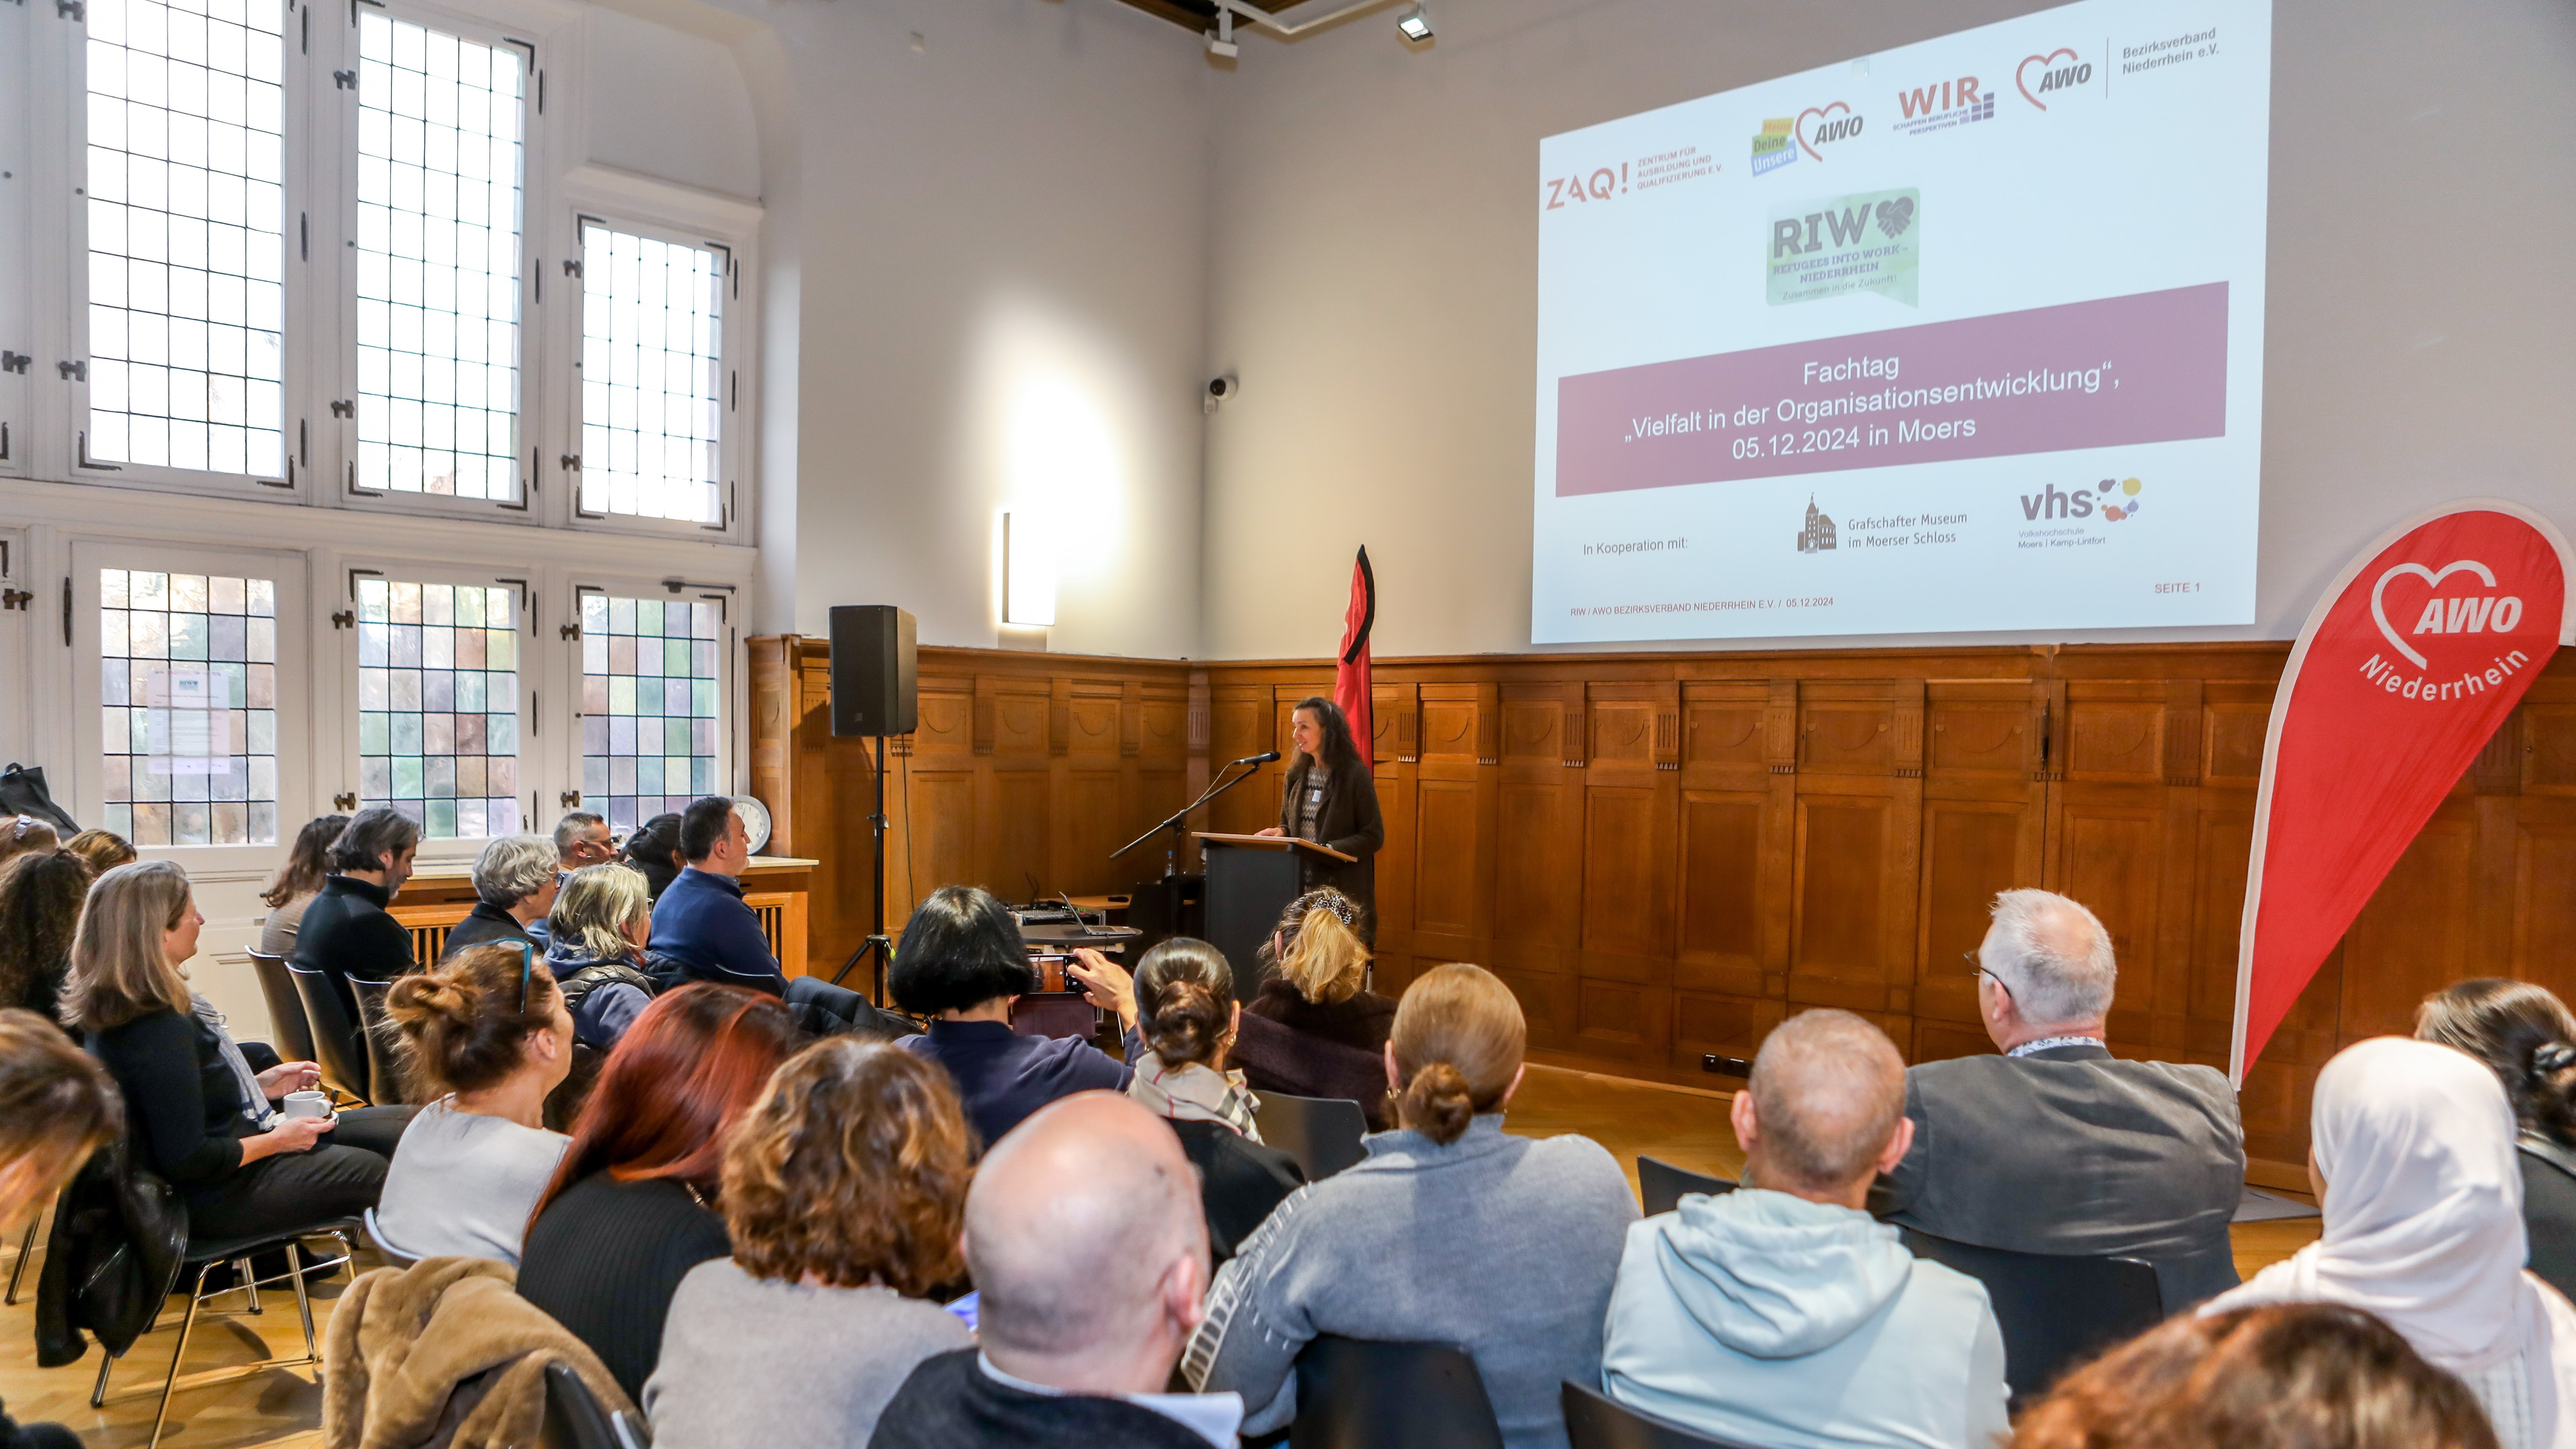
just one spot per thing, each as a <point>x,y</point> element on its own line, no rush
<point>2413,1156</point>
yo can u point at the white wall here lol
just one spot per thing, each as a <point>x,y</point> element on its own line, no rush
<point>1376,213</point>
<point>999,258</point>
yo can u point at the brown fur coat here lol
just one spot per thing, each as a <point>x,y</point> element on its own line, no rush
<point>445,1355</point>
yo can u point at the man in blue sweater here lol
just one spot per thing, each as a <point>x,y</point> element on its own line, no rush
<point>702,923</point>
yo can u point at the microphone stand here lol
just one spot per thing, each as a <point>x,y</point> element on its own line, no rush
<point>1177,823</point>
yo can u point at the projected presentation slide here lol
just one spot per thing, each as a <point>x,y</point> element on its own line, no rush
<point>1962,336</point>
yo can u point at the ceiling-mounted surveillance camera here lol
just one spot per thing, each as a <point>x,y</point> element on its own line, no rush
<point>1414,24</point>
<point>1220,41</point>
<point>1220,391</point>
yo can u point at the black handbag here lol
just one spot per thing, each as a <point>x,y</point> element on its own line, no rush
<point>23,792</point>
<point>120,1235</point>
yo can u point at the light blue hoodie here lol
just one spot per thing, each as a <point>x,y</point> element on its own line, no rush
<point>1787,1324</point>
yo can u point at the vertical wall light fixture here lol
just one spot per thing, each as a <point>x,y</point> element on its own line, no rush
<point>1028,571</point>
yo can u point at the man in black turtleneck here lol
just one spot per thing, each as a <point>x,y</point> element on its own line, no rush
<point>347,931</point>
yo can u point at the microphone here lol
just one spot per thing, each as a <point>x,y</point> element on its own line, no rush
<point>1265,757</point>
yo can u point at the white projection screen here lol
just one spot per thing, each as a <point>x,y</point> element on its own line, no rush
<point>1962,336</point>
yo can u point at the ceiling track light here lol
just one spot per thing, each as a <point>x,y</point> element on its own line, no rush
<point>1414,24</point>
<point>1220,41</point>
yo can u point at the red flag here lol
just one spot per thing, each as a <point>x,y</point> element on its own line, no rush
<point>2411,660</point>
<point>1351,671</point>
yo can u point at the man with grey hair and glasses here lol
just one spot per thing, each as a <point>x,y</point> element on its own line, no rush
<point>2056,1146</point>
<point>514,887</point>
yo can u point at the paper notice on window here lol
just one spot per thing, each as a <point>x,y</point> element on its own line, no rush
<point>193,734</point>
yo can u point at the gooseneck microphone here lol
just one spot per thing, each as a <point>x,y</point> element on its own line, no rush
<point>1265,757</point>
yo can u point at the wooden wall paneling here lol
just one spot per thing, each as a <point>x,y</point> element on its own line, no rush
<point>934,840</point>
<point>1090,804</point>
<point>1854,900</point>
<point>1630,791</point>
<point>2112,814</point>
<point>1398,724</point>
<point>1239,725</point>
<point>1456,804</point>
<point>1984,824</point>
<point>1538,832</point>
<point>1729,897</point>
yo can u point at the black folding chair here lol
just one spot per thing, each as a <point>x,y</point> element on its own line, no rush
<point>2054,1311</point>
<point>204,1255</point>
<point>288,1030</point>
<point>575,1419</point>
<point>1594,1420</point>
<point>338,1047</point>
<point>1322,1133</point>
<point>1660,1185</point>
<point>384,1051</point>
<point>1355,1393</point>
<point>26,1250</point>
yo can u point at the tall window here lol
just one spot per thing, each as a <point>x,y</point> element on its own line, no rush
<point>439,152</point>
<point>188,684</point>
<point>438,705</point>
<point>186,302</point>
<point>649,698</point>
<point>651,359</point>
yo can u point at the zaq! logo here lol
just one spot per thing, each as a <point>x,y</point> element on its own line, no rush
<point>2456,614</point>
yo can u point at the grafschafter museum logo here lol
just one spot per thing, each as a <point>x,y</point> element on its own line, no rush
<point>1818,535</point>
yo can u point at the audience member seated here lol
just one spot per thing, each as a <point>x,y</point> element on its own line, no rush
<point>631,1208</point>
<point>654,849</point>
<point>1782,1315</point>
<point>1331,1030</point>
<point>514,886</point>
<point>2412,1155</point>
<point>1188,1017</point>
<point>961,964</point>
<point>57,1106</point>
<point>702,924</point>
<point>2297,1376</point>
<point>308,863</point>
<point>19,833</point>
<point>844,1192</point>
<point>347,931</point>
<point>1449,1232</point>
<point>602,923</point>
<point>2526,1036</point>
<point>101,850</point>
<point>201,1117</point>
<point>581,840</point>
<point>489,1031</point>
<point>1089,1254</point>
<point>40,907</point>
<point>2010,1151</point>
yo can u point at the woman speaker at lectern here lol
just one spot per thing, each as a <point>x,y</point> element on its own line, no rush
<point>1332,800</point>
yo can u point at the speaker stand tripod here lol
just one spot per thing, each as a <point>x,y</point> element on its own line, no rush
<point>877,944</point>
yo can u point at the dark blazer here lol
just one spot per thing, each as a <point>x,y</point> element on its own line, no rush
<point>1002,1077</point>
<point>1240,1181</point>
<point>2072,1151</point>
<point>186,1104</point>
<point>482,926</point>
<point>605,1258</point>
<point>2549,1209</point>
<point>1278,1058</point>
<point>950,1403</point>
<point>1349,823</point>
<point>347,932</point>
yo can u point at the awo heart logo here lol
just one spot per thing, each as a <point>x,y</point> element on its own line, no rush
<point>2460,615</point>
<point>2021,73</point>
<point>1895,216</point>
<point>1826,129</point>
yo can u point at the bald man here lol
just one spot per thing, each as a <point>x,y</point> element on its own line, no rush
<point>1782,1315</point>
<point>1089,1249</point>
<point>2056,1146</point>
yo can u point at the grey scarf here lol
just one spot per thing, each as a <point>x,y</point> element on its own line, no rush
<point>254,1101</point>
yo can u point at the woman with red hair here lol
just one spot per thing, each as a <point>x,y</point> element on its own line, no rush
<point>633,1207</point>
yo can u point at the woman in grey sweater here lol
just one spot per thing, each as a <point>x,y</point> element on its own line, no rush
<point>844,1193</point>
<point>1450,1232</point>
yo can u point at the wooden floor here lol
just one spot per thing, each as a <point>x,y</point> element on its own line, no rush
<point>283,1407</point>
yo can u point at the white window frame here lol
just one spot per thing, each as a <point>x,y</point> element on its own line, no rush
<point>17,574</point>
<point>729,686</point>
<point>288,569</point>
<point>664,211</point>
<point>22,329</point>
<point>352,568</point>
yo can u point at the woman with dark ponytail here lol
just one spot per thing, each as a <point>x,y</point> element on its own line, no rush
<point>1449,1232</point>
<point>1187,1014</point>
<point>2527,1037</point>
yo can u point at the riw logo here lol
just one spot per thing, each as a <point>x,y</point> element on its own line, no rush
<point>2059,70</point>
<point>2054,502</point>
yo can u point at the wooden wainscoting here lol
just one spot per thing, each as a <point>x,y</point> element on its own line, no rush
<point>1665,854</point>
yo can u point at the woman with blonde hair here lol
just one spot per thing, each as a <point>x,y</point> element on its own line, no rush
<point>202,1118</point>
<point>1517,1268</point>
<point>844,1194</point>
<point>101,850</point>
<point>596,947</point>
<point>1314,1030</point>
<point>489,1030</point>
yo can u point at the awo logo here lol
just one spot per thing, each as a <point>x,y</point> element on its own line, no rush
<point>1826,124</point>
<point>2458,613</point>
<point>2115,499</point>
<point>2041,78</point>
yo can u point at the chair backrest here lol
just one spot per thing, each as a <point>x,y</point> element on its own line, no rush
<point>1355,1393</point>
<point>383,1042</point>
<point>293,1036</point>
<point>1322,1133</point>
<point>1594,1420</point>
<point>1276,1058</point>
<point>337,1049</point>
<point>2053,1310</point>
<point>575,1419</point>
<point>392,1255</point>
<point>1660,1185</point>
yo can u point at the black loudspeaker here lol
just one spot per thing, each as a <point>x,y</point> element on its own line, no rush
<point>873,687</point>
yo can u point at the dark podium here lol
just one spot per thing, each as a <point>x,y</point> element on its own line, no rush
<point>1250,881</point>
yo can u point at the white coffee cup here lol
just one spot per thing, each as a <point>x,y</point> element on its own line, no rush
<point>308,1104</point>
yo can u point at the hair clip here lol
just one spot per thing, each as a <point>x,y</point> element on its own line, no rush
<point>2552,1058</point>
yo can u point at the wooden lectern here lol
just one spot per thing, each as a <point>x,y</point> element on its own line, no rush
<point>1250,881</point>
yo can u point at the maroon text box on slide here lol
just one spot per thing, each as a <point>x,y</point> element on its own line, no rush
<point>2159,359</point>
